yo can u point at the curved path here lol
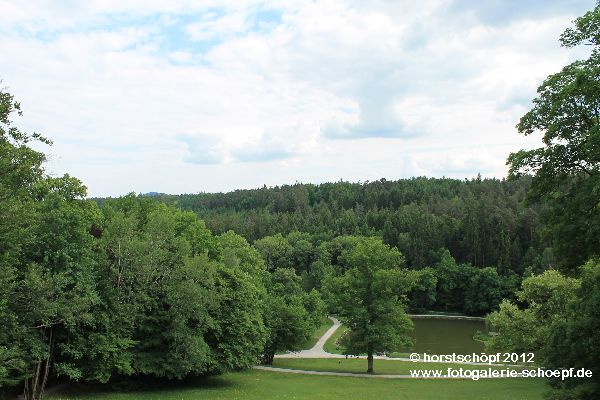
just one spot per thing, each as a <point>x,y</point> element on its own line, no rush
<point>317,350</point>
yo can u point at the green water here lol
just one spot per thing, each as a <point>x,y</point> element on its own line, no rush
<point>446,336</point>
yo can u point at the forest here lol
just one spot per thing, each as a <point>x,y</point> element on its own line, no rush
<point>484,222</point>
<point>175,286</point>
<point>453,234</point>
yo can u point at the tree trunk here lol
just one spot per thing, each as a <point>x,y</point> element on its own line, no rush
<point>370,363</point>
<point>31,383</point>
<point>36,384</point>
<point>268,358</point>
<point>47,368</point>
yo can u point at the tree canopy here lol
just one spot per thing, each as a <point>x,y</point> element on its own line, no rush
<point>558,315</point>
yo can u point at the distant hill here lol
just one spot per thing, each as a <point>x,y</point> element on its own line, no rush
<point>154,194</point>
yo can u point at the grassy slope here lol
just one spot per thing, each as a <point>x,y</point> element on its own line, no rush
<point>320,331</point>
<point>325,324</point>
<point>263,385</point>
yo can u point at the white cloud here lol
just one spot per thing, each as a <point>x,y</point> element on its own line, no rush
<point>187,96</point>
<point>215,27</point>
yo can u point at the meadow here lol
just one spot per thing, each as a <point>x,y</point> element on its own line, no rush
<point>250,385</point>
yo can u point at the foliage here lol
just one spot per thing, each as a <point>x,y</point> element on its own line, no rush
<point>480,221</point>
<point>567,169</point>
<point>133,288</point>
<point>276,251</point>
<point>370,299</point>
<point>546,298</point>
<point>560,317</point>
<point>469,289</point>
<point>46,258</point>
<point>291,315</point>
<point>423,293</point>
<point>574,342</point>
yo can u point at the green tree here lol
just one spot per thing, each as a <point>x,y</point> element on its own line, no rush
<point>47,265</point>
<point>20,169</point>
<point>484,290</point>
<point>546,298</point>
<point>57,286</point>
<point>188,303</point>
<point>276,251</point>
<point>566,169</point>
<point>237,252</point>
<point>286,317</point>
<point>370,299</point>
<point>423,295</point>
<point>302,253</point>
<point>450,283</point>
<point>574,342</point>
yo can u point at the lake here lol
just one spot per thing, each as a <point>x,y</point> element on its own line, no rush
<point>446,336</point>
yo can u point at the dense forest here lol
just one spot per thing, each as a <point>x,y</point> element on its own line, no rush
<point>484,222</point>
<point>170,287</point>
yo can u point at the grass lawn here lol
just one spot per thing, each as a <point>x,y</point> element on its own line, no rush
<point>360,365</point>
<point>262,385</point>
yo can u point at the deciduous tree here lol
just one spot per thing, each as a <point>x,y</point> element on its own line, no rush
<point>566,169</point>
<point>370,299</point>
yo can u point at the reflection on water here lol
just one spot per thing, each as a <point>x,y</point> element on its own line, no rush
<point>446,336</point>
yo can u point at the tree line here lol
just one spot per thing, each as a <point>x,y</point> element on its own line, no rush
<point>485,222</point>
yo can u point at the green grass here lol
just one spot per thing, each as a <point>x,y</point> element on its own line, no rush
<point>482,336</point>
<point>262,385</point>
<point>331,346</point>
<point>355,365</point>
<point>396,354</point>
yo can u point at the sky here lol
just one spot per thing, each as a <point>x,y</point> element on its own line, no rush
<point>216,95</point>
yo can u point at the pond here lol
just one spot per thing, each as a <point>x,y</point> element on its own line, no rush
<point>446,336</point>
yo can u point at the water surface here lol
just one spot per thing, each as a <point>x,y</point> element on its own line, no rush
<point>446,336</point>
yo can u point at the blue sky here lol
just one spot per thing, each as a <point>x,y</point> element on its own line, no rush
<point>185,96</point>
